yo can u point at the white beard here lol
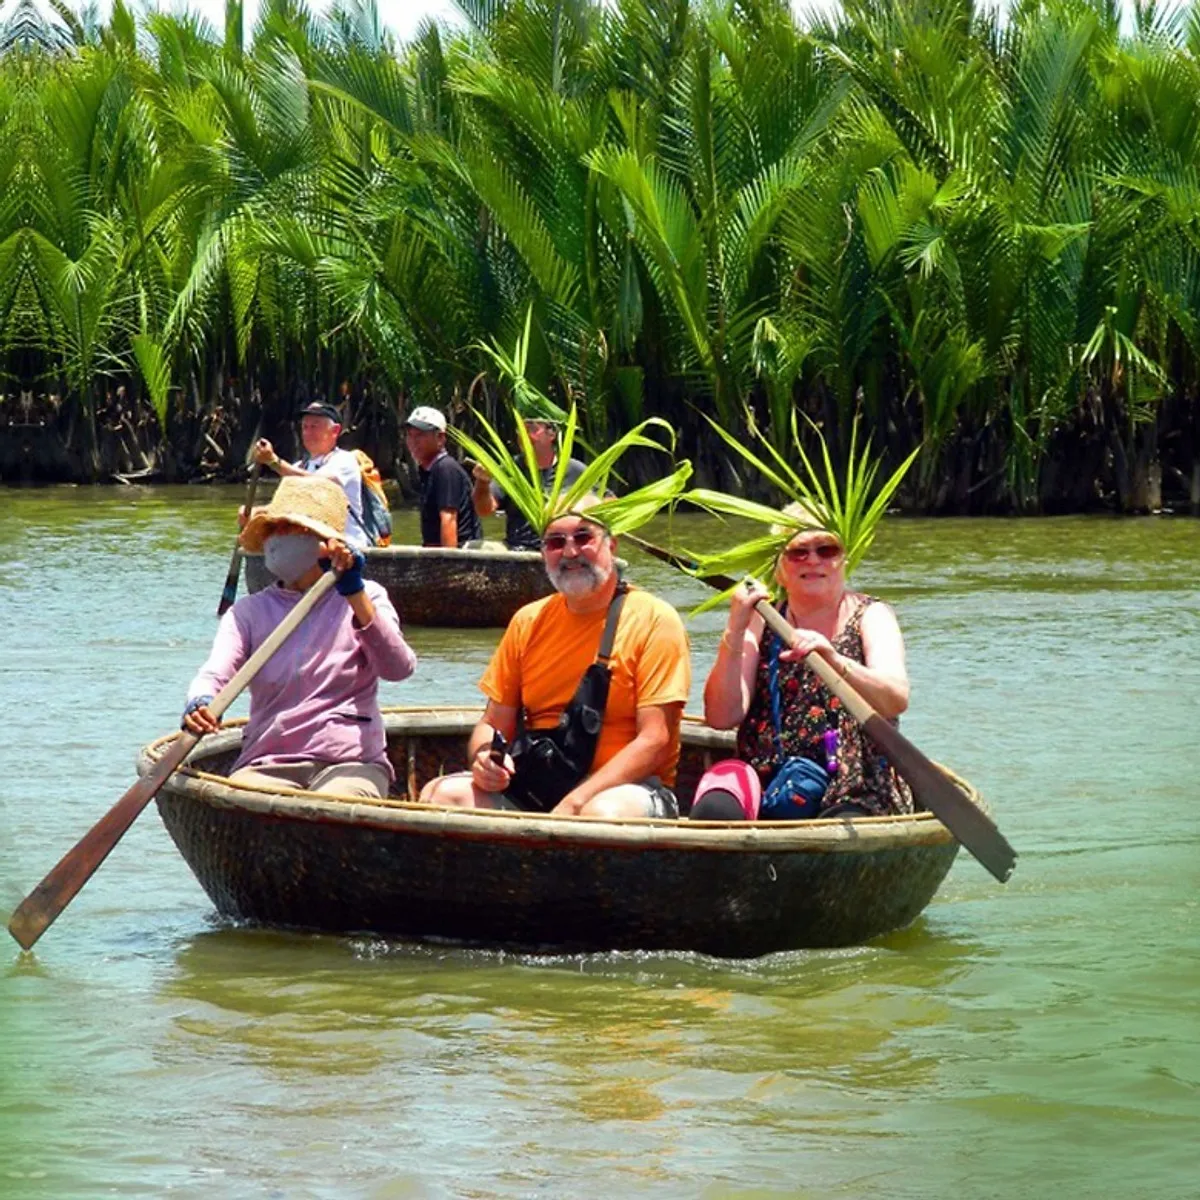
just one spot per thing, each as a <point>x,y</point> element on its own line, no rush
<point>580,578</point>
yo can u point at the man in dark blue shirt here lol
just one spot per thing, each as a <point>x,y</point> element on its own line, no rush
<point>447,514</point>
<point>488,496</point>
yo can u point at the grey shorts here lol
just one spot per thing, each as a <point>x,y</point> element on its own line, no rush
<point>660,800</point>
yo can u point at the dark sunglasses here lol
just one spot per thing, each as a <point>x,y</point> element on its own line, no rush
<point>824,550</point>
<point>556,542</point>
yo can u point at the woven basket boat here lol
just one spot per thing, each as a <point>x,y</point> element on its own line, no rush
<point>458,588</point>
<point>542,883</point>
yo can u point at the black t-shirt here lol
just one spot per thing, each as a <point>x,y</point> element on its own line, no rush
<point>446,485</point>
<point>519,534</point>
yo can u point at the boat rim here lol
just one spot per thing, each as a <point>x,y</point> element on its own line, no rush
<point>449,553</point>
<point>831,835</point>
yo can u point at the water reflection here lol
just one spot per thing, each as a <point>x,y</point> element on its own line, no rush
<point>611,1034</point>
<point>810,1044</point>
<point>1014,1041</point>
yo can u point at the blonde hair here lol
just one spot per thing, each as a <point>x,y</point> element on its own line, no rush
<point>806,519</point>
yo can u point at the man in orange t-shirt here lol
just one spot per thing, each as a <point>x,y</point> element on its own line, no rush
<point>544,653</point>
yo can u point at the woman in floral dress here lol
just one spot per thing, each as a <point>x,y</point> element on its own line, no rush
<point>860,638</point>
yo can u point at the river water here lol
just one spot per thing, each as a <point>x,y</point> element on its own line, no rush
<point>1036,1039</point>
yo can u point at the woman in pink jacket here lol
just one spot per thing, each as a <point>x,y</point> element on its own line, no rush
<point>314,711</point>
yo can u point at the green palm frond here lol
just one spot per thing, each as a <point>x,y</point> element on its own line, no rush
<point>628,513</point>
<point>847,505</point>
<point>521,479</point>
<point>529,402</point>
<point>156,371</point>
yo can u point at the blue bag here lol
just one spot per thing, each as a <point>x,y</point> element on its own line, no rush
<point>798,786</point>
<point>795,791</point>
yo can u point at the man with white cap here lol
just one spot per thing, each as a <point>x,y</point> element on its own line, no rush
<point>447,512</point>
<point>320,428</point>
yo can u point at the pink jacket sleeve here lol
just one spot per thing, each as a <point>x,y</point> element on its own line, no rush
<point>382,641</point>
<point>229,651</point>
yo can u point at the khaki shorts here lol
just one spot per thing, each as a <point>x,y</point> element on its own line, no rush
<point>368,781</point>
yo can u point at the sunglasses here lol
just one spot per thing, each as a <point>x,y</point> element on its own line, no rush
<point>581,538</point>
<point>822,550</point>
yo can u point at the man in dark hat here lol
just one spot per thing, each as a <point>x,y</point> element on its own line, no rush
<point>320,428</point>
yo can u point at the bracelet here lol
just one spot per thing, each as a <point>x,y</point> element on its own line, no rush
<point>736,652</point>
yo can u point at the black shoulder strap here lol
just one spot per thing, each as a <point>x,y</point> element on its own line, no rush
<point>610,626</point>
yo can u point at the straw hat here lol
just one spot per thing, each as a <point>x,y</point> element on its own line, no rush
<point>310,501</point>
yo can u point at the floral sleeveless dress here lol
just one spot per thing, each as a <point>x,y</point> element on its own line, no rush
<point>864,776</point>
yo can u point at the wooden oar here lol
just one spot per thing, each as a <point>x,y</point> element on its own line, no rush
<point>973,828</point>
<point>229,591</point>
<point>41,907</point>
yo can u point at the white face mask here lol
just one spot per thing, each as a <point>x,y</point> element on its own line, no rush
<point>290,556</point>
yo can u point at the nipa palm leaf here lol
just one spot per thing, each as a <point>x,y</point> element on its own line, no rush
<point>818,499</point>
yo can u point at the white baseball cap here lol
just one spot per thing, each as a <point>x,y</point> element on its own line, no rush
<point>426,418</point>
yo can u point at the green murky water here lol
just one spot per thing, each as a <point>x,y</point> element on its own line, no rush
<point>1039,1039</point>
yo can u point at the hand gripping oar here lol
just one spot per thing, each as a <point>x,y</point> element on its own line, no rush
<point>229,591</point>
<point>41,907</point>
<point>973,828</point>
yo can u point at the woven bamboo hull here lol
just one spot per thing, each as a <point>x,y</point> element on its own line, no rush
<point>457,588</point>
<point>542,883</point>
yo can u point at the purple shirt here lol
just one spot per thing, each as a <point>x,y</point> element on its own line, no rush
<point>316,699</point>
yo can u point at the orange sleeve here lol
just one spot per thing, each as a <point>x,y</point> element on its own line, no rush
<point>501,681</point>
<point>664,668</point>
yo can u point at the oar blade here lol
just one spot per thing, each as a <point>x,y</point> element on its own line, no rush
<point>41,908</point>
<point>937,792</point>
<point>229,592</point>
<point>38,911</point>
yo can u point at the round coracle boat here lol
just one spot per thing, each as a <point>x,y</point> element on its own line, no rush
<point>434,586</point>
<point>541,883</point>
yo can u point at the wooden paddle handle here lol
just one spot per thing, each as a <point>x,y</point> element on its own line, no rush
<point>857,707</point>
<point>930,784</point>
<point>38,911</point>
